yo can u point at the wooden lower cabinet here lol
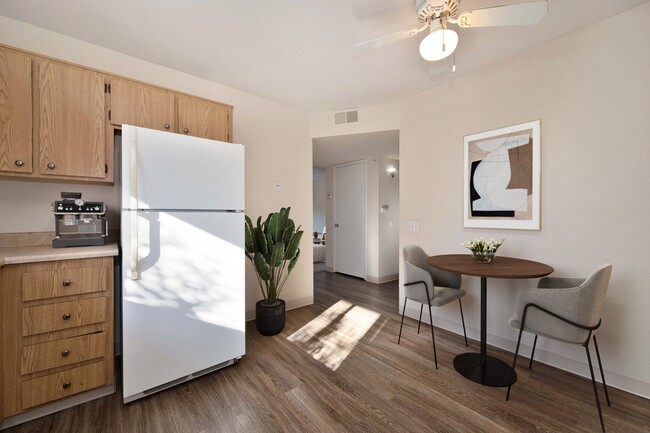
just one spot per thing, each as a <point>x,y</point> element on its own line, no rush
<point>57,331</point>
<point>62,384</point>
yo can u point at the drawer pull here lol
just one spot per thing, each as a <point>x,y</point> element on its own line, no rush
<point>66,283</point>
<point>66,316</point>
<point>66,384</point>
<point>65,353</point>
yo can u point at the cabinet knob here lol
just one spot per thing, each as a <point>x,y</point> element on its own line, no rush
<point>66,316</point>
<point>167,125</point>
<point>66,283</point>
<point>66,384</point>
<point>51,165</point>
<point>186,130</point>
<point>19,162</point>
<point>65,353</point>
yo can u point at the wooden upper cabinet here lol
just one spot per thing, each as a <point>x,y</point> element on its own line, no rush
<point>141,105</point>
<point>202,118</point>
<point>70,116</point>
<point>15,112</point>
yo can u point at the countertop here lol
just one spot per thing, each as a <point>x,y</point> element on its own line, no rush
<point>46,253</point>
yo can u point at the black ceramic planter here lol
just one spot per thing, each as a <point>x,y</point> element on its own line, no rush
<point>269,318</point>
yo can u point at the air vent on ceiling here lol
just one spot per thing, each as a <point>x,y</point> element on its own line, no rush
<point>346,117</point>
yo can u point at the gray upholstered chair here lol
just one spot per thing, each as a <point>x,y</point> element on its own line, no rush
<point>565,309</point>
<point>428,286</point>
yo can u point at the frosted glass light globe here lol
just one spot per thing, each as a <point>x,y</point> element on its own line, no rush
<point>431,46</point>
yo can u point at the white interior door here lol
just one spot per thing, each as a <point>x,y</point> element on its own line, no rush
<point>350,219</point>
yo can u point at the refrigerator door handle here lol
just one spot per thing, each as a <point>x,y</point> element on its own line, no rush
<point>135,271</point>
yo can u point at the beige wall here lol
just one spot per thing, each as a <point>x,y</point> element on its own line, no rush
<point>591,91</point>
<point>272,133</point>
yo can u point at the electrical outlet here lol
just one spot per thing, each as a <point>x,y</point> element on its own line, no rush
<point>276,187</point>
<point>414,226</point>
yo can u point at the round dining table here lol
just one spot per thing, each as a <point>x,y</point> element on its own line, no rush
<point>481,367</point>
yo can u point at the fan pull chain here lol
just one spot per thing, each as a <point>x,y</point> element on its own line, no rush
<point>443,36</point>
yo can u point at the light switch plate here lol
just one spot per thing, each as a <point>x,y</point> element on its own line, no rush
<point>276,187</point>
<point>414,226</point>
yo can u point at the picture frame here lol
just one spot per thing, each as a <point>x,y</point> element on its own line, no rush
<point>501,178</point>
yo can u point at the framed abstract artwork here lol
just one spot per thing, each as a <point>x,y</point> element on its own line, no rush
<point>501,187</point>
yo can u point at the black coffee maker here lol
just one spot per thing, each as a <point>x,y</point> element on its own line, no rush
<point>78,222</point>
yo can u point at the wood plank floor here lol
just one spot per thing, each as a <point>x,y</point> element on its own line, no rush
<point>299,381</point>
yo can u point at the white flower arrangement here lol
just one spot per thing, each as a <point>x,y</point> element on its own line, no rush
<point>482,246</point>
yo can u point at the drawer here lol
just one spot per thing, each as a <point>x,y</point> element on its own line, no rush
<point>63,315</point>
<point>63,282</point>
<point>43,356</point>
<point>63,384</point>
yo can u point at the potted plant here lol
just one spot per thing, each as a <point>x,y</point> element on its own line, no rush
<point>483,250</point>
<point>273,247</point>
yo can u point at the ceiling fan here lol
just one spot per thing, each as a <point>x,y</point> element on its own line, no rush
<point>435,15</point>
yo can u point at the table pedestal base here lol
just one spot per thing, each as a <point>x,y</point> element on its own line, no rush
<point>493,373</point>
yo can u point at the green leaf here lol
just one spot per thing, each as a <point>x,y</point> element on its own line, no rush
<point>293,261</point>
<point>262,268</point>
<point>250,238</point>
<point>278,255</point>
<point>288,232</point>
<point>274,227</point>
<point>293,246</point>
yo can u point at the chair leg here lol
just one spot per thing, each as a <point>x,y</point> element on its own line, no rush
<point>433,338</point>
<point>462,319</point>
<point>514,362</point>
<point>402,323</point>
<point>602,375</point>
<point>420,318</point>
<point>593,382</point>
<point>532,354</point>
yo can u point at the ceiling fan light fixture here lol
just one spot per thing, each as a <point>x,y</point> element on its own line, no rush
<point>438,44</point>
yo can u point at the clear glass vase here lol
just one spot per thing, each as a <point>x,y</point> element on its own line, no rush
<point>482,256</point>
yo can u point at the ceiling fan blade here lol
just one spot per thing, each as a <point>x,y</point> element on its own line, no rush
<point>521,14</point>
<point>392,37</point>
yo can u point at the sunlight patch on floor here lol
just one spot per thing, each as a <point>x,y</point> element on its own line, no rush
<point>330,337</point>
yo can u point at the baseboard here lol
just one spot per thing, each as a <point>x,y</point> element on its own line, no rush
<point>382,280</point>
<point>57,406</point>
<point>290,305</point>
<point>579,368</point>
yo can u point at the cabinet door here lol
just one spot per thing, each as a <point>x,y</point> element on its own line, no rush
<point>201,118</point>
<point>71,125</point>
<point>140,105</point>
<point>15,112</point>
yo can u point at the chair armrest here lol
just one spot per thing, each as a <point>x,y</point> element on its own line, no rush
<point>559,282</point>
<point>562,302</point>
<point>413,274</point>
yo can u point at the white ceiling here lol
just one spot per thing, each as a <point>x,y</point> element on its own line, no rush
<point>346,148</point>
<point>298,53</point>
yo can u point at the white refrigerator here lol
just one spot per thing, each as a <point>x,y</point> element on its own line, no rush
<point>182,233</point>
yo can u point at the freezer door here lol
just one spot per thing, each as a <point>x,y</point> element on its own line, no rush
<point>162,170</point>
<point>184,311</point>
